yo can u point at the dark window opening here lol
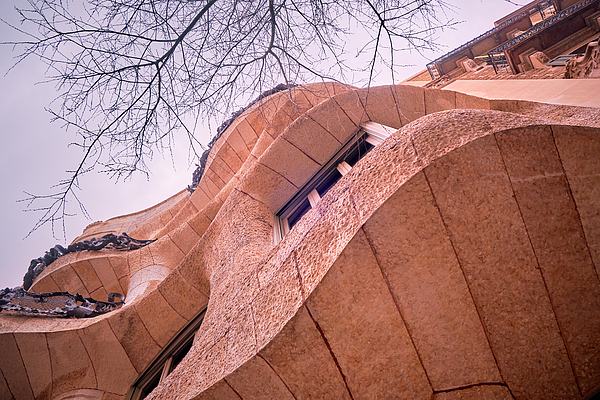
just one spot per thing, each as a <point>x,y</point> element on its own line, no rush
<point>298,213</point>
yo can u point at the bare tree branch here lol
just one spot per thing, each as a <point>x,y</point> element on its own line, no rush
<point>132,73</point>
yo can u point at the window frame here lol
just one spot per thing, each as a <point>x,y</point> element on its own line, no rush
<point>162,364</point>
<point>371,132</point>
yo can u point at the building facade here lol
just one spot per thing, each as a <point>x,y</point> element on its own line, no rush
<point>395,242</point>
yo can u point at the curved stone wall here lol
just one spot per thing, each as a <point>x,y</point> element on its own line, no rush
<point>458,259</point>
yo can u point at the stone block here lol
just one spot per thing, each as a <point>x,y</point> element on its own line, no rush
<point>268,186</point>
<point>199,198</point>
<point>285,115</point>
<point>86,273</point>
<point>311,138</point>
<point>199,223</point>
<point>299,355</point>
<point>106,274</point>
<point>161,320</point>
<point>221,168</point>
<point>138,259</point>
<point>419,264</point>
<point>36,358</point>
<point>554,228</point>
<point>578,151</point>
<point>241,340</point>
<point>70,364</point>
<point>355,310</point>
<point>289,161</point>
<point>119,264</point>
<point>165,252</point>
<point>277,303</point>
<point>238,146</point>
<point>338,224</point>
<point>13,370</point>
<point>331,117</point>
<point>477,205</point>
<point>182,296</point>
<point>214,183</point>
<point>193,269</point>
<point>264,142</point>
<point>44,284</point>
<point>114,371</point>
<point>69,281</point>
<point>317,93</point>
<point>247,132</point>
<point>230,157</point>
<point>219,391</point>
<point>487,392</point>
<point>465,101</point>
<point>184,237</point>
<point>410,102</point>
<point>439,100</point>
<point>134,337</point>
<point>257,380</point>
<point>381,106</point>
<point>436,135</point>
<point>351,103</point>
<point>100,293</point>
<point>5,392</point>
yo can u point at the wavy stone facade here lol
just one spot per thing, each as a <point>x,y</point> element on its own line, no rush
<point>459,259</point>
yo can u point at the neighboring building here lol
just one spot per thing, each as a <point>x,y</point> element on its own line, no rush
<point>396,242</point>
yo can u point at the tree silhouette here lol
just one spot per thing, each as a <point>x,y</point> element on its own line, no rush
<point>131,73</point>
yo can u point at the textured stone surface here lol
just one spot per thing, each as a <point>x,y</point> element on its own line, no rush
<point>70,364</point>
<point>410,102</point>
<point>290,162</point>
<point>485,392</point>
<point>303,361</point>
<point>33,348</point>
<point>485,261</point>
<point>114,372</point>
<point>419,263</point>
<point>381,107</point>
<point>257,380</point>
<point>578,150</point>
<point>439,100</point>
<point>159,318</point>
<point>220,391</point>
<point>137,342</point>
<point>332,118</point>
<point>495,253</point>
<point>554,228</point>
<point>365,330</point>
<point>13,369</point>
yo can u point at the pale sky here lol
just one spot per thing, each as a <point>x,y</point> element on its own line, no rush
<point>34,153</point>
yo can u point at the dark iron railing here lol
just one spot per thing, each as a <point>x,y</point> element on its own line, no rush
<point>110,241</point>
<point>57,303</point>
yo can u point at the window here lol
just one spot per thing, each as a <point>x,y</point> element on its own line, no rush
<point>369,136</point>
<point>167,360</point>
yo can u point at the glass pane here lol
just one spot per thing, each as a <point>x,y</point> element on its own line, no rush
<point>298,213</point>
<point>358,152</point>
<point>151,385</point>
<point>177,357</point>
<point>328,182</point>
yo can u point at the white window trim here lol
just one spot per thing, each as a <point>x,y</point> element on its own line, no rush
<point>373,133</point>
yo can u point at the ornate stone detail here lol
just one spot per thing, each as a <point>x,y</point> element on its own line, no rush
<point>57,303</point>
<point>539,59</point>
<point>586,66</point>
<point>110,241</point>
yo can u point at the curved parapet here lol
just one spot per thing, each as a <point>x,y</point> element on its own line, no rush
<point>457,258</point>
